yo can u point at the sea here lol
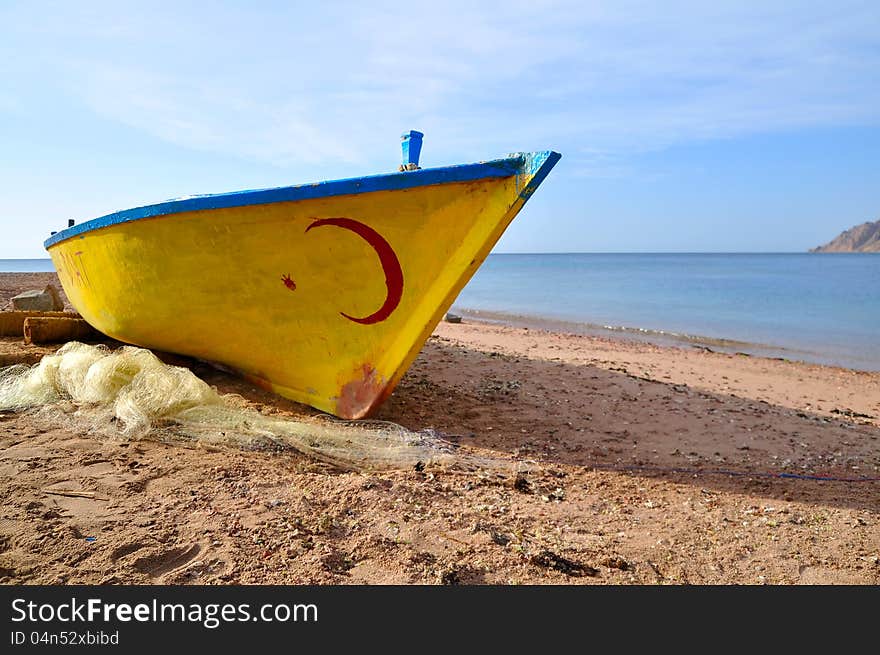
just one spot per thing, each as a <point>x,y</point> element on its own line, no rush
<point>820,308</point>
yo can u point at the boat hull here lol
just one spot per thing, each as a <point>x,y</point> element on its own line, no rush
<point>323,300</point>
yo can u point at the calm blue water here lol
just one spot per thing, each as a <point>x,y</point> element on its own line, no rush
<point>26,266</point>
<point>816,307</point>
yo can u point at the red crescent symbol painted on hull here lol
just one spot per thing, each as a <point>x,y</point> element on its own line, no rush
<point>388,259</point>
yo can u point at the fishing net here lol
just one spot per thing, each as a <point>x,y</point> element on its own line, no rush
<point>130,393</point>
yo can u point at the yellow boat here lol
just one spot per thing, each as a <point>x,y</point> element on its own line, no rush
<point>323,293</point>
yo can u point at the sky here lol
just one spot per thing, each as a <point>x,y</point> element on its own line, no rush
<point>683,126</point>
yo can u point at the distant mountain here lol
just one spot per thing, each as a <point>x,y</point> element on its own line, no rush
<point>861,238</point>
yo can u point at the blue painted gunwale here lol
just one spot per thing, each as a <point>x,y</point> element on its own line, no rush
<point>536,163</point>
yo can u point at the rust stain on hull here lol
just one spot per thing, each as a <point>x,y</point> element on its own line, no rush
<point>361,396</point>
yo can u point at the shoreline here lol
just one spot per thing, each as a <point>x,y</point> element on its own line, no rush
<point>821,389</point>
<point>659,337</point>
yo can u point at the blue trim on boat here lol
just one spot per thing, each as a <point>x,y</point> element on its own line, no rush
<point>537,164</point>
<point>516,164</point>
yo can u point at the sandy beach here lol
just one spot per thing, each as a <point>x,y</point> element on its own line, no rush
<point>640,464</point>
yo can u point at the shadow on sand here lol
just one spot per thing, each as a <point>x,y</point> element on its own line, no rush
<point>585,416</point>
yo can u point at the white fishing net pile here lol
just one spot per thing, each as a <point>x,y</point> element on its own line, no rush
<point>129,393</point>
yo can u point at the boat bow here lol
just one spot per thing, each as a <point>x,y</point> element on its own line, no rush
<point>323,293</point>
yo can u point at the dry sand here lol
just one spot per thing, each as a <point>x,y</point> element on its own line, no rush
<point>626,444</point>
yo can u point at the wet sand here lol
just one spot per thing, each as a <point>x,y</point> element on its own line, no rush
<point>646,464</point>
